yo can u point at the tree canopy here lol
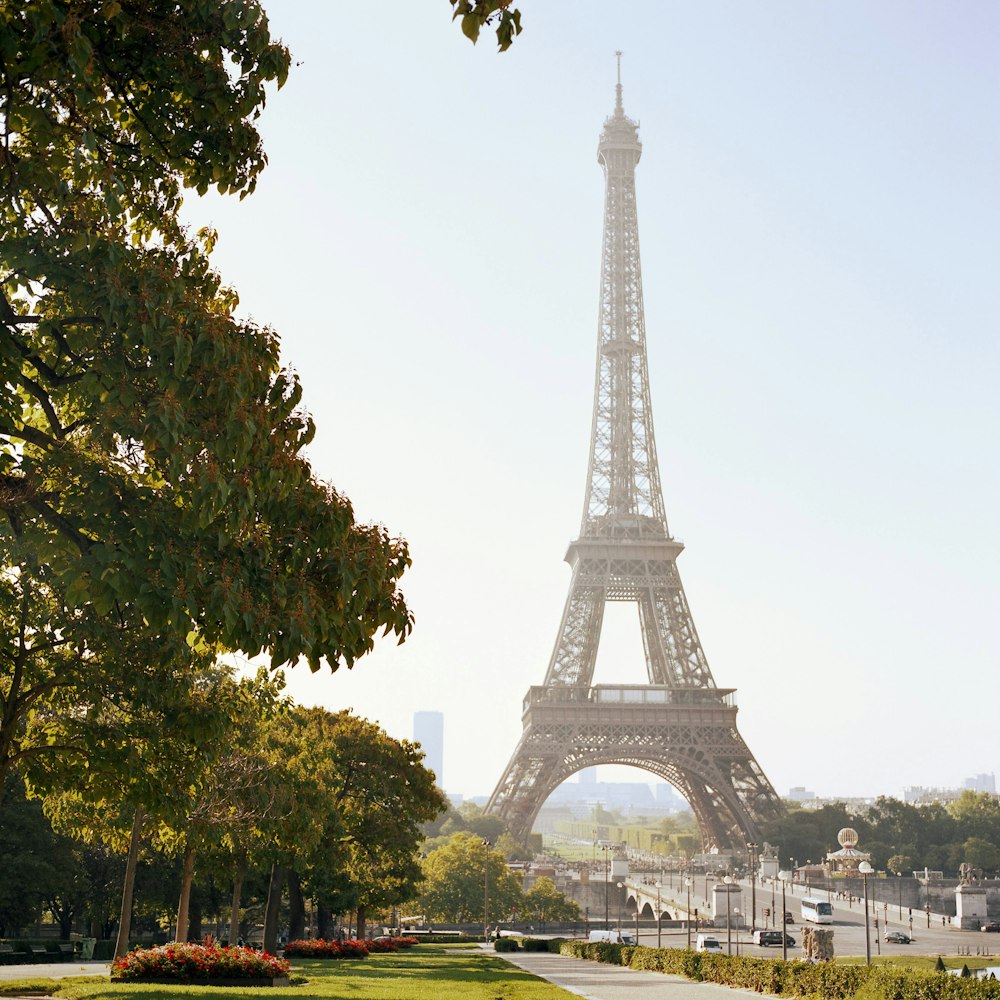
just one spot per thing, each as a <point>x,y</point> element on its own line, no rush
<point>152,481</point>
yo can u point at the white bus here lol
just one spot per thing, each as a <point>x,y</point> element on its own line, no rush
<point>818,911</point>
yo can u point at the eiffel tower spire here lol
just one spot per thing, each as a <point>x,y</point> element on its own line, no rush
<point>681,726</point>
<point>623,481</point>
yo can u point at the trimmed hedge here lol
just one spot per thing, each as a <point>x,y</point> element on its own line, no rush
<point>505,944</point>
<point>792,979</point>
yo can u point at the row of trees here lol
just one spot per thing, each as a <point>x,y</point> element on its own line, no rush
<point>461,871</point>
<point>321,805</point>
<point>156,507</point>
<point>900,837</point>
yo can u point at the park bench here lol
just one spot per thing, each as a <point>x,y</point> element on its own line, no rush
<point>40,952</point>
<point>7,954</point>
<point>66,951</point>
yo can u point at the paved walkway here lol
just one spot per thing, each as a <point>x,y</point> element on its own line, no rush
<point>598,981</point>
<point>53,970</point>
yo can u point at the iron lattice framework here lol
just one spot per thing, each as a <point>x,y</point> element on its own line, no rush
<point>680,726</point>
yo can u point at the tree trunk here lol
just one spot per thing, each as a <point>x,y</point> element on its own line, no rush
<point>296,907</point>
<point>125,921</point>
<point>362,915</point>
<point>234,913</point>
<point>322,922</point>
<point>273,909</point>
<point>187,875</point>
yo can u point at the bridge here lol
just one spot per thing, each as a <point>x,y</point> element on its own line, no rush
<point>655,903</point>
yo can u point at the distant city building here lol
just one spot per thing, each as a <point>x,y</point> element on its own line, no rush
<point>428,731</point>
<point>800,794</point>
<point>982,783</point>
<point>588,776</point>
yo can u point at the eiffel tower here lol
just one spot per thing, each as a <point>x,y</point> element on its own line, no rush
<point>680,726</point>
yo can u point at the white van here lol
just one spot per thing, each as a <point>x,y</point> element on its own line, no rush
<point>624,937</point>
<point>709,943</point>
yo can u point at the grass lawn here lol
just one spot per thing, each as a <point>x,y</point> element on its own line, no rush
<point>425,972</point>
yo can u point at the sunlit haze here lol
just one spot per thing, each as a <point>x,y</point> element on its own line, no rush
<point>819,213</point>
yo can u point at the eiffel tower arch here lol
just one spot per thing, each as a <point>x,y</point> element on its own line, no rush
<point>679,726</point>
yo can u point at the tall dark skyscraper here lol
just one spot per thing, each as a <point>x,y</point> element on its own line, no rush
<point>428,731</point>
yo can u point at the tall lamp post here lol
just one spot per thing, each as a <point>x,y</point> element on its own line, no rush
<point>899,883</point>
<point>728,880</point>
<point>606,847</point>
<point>659,926</point>
<point>752,848</point>
<point>687,885</point>
<point>784,934</point>
<point>866,869</point>
<point>486,888</point>
<point>621,885</point>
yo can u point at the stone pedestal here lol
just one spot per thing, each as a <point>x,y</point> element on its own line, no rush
<point>720,892</point>
<point>970,907</point>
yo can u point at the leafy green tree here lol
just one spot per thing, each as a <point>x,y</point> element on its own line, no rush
<point>900,864</point>
<point>981,854</point>
<point>455,879</point>
<point>29,860</point>
<point>976,814</point>
<point>511,849</point>
<point>545,902</point>
<point>479,14</point>
<point>379,794</point>
<point>152,480</point>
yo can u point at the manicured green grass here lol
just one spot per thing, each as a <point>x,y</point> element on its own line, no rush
<point>427,972</point>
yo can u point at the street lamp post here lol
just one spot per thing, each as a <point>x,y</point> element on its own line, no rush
<point>784,935</point>
<point>486,888</point>
<point>774,905</point>
<point>752,848</point>
<point>866,869</point>
<point>736,913</point>
<point>621,885</point>
<point>687,885</point>
<point>899,883</point>
<point>728,880</point>
<point>659,914</point>
<point>607,880</point>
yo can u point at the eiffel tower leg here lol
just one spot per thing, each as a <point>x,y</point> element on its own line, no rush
<point>575,650</point>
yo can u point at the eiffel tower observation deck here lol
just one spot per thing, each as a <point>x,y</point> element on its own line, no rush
<point>680,726</point>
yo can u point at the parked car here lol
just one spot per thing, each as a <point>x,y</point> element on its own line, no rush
<point>767,938</point>
<point>991,928</point>
<point>897,937</point>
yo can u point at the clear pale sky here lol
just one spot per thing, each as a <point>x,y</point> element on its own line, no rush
<point>819,213</point>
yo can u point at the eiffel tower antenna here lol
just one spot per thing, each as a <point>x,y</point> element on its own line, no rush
<point>680,726</point>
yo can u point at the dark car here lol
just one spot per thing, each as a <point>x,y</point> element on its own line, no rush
<point>767,938</point>
<point>897,937</point>
<point>991,928</point>
<point>789,919</point>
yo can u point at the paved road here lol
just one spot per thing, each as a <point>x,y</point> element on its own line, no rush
<point>612,982</point>
<point>848,927</point>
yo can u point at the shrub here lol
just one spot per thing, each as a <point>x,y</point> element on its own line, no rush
<point>194,961</point>
<point>534,944</point>
<point>505,944</point>
<point>321,948</point>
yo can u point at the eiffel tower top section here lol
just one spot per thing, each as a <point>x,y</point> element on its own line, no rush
<point>624,498</point>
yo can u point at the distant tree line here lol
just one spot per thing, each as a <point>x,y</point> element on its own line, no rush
<point>899,836</point>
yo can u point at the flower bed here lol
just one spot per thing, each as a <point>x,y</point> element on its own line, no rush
<point>186,962</point>
<point>321,948</point>
<point>326,949</point>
